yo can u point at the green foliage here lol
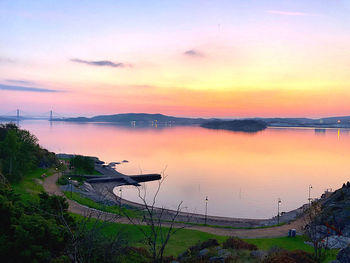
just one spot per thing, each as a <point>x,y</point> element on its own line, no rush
<point>20,153</point>
<point>32,232</point>
<point>63,180</point>
<point>82,165</point>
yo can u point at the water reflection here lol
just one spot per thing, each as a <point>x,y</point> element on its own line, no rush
<point>242,174</point>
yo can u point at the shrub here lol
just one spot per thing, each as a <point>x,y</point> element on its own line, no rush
<point>212,242</point>
<point>140,251</point>
<point>62,180</point>
<point>237,243</point>
<point>297,256</point>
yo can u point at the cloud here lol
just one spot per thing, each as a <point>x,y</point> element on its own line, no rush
<point>288,13</point>
<point>193,53</point>
<point>6,60</point>
<point>27,89</point>
<point>99,63</point>
<point>19,81</point>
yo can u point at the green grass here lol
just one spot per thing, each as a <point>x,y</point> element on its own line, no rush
<point>185,238</point>
<point>110,209</point>
<point>29,187</point>
<point>288,243</point>
<point>178,243</point>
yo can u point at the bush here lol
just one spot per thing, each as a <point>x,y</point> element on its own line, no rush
<point>237,243</point>
<point>212,242</point>
<point>82,164</point>
<point>62,180</point>
<point>297,256</point>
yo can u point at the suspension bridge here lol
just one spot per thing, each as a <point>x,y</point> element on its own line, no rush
<point>18,115</point>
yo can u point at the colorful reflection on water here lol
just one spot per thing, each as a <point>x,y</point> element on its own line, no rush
<point>242,174</point>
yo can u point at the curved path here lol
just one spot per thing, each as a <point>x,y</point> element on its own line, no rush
<point>51,187</point>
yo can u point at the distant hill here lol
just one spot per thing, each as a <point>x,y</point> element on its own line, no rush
<point>236,125</point>
<point>139,118</point>
<point>145,119</point>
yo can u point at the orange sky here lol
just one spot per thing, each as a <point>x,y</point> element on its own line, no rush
<point>265,58</point>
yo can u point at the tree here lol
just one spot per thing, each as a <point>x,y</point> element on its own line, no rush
<point>161,222</point>
<point>10,149</point>
<point>20,152</point>
<point>82,164</point>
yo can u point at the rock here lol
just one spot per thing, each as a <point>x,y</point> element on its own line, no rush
<point>224,253</point>
<point>174,261</point>
<point>334,261</point>
<point>344,255</point>
<point>203,252</point>
<point>86,187</point>
<point>183,255</point>
<point>259,254</point>
<point>217,259</point>
<point>335,242</point>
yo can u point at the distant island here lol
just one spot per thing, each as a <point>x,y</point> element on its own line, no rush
<point>146,119</point>
<point>236,125</point>
<point>138,119</point>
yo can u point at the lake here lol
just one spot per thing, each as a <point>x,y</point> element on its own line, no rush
<point>242,174</point>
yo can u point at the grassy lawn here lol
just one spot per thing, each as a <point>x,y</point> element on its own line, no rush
<point>111,209</point>
<point>185,238</point>
<point>177,244</point>
<point>288,243</point>
<point>31,185</point>
<point>283,242</point>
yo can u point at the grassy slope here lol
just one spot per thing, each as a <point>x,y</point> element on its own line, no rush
<point>30,185</point>
<point>111,209</point>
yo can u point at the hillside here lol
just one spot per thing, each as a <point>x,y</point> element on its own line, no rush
<point>139,118</point>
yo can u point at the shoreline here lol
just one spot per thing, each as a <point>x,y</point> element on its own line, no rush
<point>102,192</point>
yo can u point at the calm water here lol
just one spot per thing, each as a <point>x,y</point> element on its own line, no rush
<point>243,175</point>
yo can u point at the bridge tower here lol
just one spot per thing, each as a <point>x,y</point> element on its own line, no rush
<point>50,115</point>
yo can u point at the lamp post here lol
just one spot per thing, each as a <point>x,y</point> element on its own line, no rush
<point>70,186</point>
<point>278,210</point>
<point>310,187</point>
<point>120,196</point>
<point>206,210</point>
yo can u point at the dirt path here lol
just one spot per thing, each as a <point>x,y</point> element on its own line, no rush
<point>51,187</point>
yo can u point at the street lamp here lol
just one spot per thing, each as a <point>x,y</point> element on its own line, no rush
<point>70,186</point>
<point>310,187</point>
<point>278,211</point>
<point>206,210</point>
<point>120,196</point>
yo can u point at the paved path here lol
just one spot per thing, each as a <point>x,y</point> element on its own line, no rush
<point>51,187</point>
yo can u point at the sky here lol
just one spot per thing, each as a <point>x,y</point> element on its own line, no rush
<point>184,58</point>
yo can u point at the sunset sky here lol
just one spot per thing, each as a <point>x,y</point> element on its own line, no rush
<point>184,58</point>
